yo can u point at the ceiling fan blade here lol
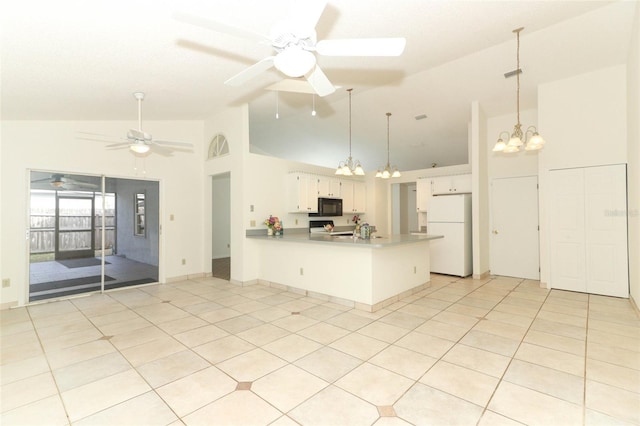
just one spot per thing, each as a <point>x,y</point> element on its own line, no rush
<point>319,82</point>
<point>306,14</point>
<point>138,135</point>
<point>251,72</point>
<point>172,143</point>
<point>161,150</point>
<point>219,27</point>
<point>118,145</point>
<point>362,47</point>
<point>98,135</point>
<point>81,184</point>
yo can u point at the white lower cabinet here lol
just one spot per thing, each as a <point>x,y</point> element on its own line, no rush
<point>302,193</point>
<point>588,230</point>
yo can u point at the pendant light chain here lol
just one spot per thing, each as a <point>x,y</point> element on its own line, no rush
<point>388,115</point>
<point>349,90</point>
<point>518,72</point>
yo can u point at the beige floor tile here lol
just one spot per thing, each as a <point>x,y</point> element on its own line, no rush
<point>9,330</point>
<point>595,418</point>
<point>391,421</point>
<point>64,307</point>
<point>91,398</point>
<point>489,418</point>
<point>476,359</point>
<point>382,331</point>
<point>456,319</point>
<point>201,335</point>
<point>75,354</point>
<point>464,383</point>
<point>47,411</point>
<point>131,329</point>
<point>296,305</point>
<point>376,385</point>
<point>25,336</point>
<point>202,307</point>
<point>292,347</point>
<point>294,323</point>
<point>334,406</point>
<point>70,340</point>
<point>358,345</point>
<point>562,361</point>
<point>618,317</point>
<point>403,361</point>
<point>192,392</point>
<point>172,367</point>
<point>237,408</point>
<point>576,321</point>
<point>219,315</point>
<point>114,317</point>
<point>507,318</point>
<point>288,387</point>
<point>490,342</point>
<point>270,314</point>
<point>263,334</point>
<point>516,310</point>
<point>403,320</point>
<point>470,311</point>
<point>57,329</point>
<point>443,330</point>
<point>323,333</point>
<point>349,321</point>
<point>553,327</point>
<point>576,308</point>
<point>321,312</point>
<point>427,345</point>
<point>26,391</point>
<point>90,370</point>
<point>222,349</point>
<point>232,300</point>
<point>9,316</point>
<point>499,328</point>
<point>617,356</point>
<point>532,407</point>
<point>251,365</point>
<point>22,369</point>
<point>446,296</point>
<point>328,364</point>
<point>554,341</point>
<point>614,328</point>
<point>30,348</point>
<point>477,302</point>
<point>420,311</point>
<point>569,295</point>
<point>614,340</point>
<point>613,401</point>
<point>153,350</point>
<point>437,304</point>
<point>425,405</point>
<point>613,375</point>
<point>238,324</point>
<point>146,409</point>
<point>546,380</point>
<point>249,307</point>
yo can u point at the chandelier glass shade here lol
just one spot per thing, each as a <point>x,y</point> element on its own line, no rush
<point>350,167</point>
<point>516,139</point>
<point>388,172</point>
<point>139,147</point>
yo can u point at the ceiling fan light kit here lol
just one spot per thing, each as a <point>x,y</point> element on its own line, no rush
<point>534,141</point>
<point>350,167</point>
<point>388,171</point>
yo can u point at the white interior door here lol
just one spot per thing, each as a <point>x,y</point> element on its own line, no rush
<point>514,227</point>
<point>567,230</point>
<point>606,230</point>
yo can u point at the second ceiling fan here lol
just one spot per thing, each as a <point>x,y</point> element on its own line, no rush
<point>294,41</point>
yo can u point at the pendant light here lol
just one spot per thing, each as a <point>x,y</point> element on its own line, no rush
<point>386,173</point>
<point>515,140</point>
<point>350,167</point>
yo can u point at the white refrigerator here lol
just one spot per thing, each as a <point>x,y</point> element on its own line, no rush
<point>450,216</point>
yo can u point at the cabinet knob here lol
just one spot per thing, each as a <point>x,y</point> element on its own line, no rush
<point>495,231</point>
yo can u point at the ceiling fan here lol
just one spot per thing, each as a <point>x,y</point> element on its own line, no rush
<point>141,142</point>
<point>294,41</point>
<point>60,181</point>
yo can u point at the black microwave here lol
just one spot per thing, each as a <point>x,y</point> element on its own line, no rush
<point>328,207</point>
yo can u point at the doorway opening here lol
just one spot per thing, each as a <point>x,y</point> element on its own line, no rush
<point>404,208</point>
<point>83,234</point>
<point>220,226</point>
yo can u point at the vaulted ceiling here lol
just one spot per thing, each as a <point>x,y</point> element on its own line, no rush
<point>82,60</point>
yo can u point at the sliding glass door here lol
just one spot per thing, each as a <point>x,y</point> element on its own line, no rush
<point>84,239</point>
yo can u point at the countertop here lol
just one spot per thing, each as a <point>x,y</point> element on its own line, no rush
<point>376,241</point>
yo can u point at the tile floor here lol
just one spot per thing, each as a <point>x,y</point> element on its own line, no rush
<point>206,352</point>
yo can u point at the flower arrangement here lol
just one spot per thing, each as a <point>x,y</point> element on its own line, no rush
<point>356,219</point>
<point>273,223</point>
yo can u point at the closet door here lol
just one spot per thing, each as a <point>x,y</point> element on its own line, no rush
<point>589,230</point>
<point>568,230</point>
<point>606,230</point>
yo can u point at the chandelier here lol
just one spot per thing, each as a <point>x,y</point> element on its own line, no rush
<point>350,167</point>
<point>534,141</point>
<point>386,173</point>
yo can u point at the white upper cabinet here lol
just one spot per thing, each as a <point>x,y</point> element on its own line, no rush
<point>328,187</point>
<point>354,197</point>
<point>457,184</point>
<point>423,194</point>
<point>302,193</point>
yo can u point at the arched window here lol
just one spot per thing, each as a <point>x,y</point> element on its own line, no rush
<point>218,146</point>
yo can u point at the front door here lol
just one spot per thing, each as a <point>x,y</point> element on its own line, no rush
<point>514,227</point>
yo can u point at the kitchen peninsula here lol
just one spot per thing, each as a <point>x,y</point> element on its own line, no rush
<point>365,273</point>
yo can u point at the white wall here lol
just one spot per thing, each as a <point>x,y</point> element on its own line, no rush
<point>633,153</point>
<point>480,191</point>
<point>52,145</point>
<point>583,120</point>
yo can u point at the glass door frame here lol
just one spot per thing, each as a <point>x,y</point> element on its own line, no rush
<point>71,254</point>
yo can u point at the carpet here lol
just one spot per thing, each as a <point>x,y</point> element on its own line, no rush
<point>81,262</point>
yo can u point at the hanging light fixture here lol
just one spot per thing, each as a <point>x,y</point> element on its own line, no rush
<point>515,140</point>
<point>350,167</point>
<point>386,173</point>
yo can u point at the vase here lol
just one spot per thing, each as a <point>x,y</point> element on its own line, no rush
<point>269,231</point>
